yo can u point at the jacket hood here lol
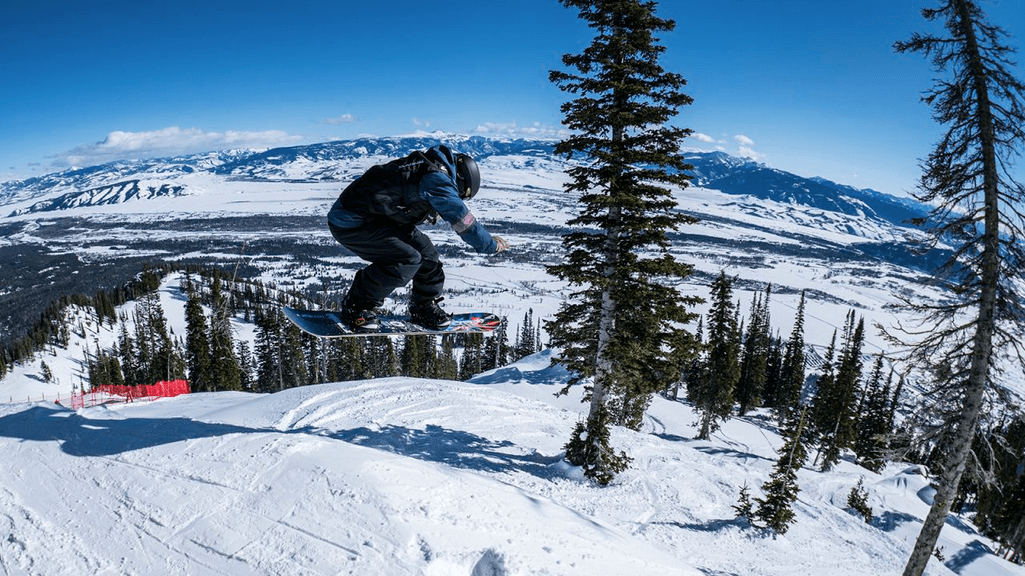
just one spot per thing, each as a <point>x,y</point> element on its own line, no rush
<point>443,154</point>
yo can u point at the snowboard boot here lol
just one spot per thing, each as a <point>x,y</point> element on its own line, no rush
<point>428,314</point>
<point>359,318</point>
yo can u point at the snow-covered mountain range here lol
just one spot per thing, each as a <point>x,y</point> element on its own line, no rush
<point>332,161</point>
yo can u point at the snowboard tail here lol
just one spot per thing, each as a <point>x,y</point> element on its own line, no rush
<point>328,324</point>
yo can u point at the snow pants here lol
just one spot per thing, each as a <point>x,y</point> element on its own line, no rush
<point>397,254</point>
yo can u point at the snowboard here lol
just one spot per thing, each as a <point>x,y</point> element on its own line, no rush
<point>327,324</point>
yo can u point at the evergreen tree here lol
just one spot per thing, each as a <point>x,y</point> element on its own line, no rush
<point>819,415</point>
<point>775,510</point>
<point>792,370</point>
<point>268,340</point>
<point>104,369</point>
<point>1013,520</point>
<point>597,450</point>
<point>968,179</point>
<point>197,345</point>
<point>146,337</point>
<point>619,321</point>
<point>127,356</point>
<point>157,357</point>
<point>713,396</point>
<point>835,403</point>
<point>316,350</point>
<point>470,363</point>
<point>293,367</point>
<point>177,367</point>
<point>343,356</point>
<point>873,426</point>
<point>774,371</point>
<point>526,343</point>
<point>683,358</point>
<point>754,363</point>
<point>857,499</point>
<point>744,507</point>
<point>380,357</point>
<point>447,367</point>
<point>1000,502</point>
<point>694,371</point>
<point>245,365</point>
<point>495,351</point>
<point>418,356</point>
<point>224,366</point>
<point>349,359</point>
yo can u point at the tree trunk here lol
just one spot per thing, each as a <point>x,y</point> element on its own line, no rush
<point>604,365</point>
<point>706,426</point>
<point>954,468</point>
<point>985,325</point>
<point>606,326</point>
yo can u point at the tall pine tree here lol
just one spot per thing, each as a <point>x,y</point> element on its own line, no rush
<point>625,311</point>
<point>269,371</point>
<point>224,366</point>
<point>470,363</point>
<point>836,400</point>
<point>968,179</point>
<point>713,392</point>
<point>754,361</point>
<point>792,371</point>
<point>197,345</point>
<point>874,427</point>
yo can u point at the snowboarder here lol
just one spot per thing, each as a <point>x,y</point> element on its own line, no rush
<point>376,217</point>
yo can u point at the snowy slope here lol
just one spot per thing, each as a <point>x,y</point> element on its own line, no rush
<point>426,477</point>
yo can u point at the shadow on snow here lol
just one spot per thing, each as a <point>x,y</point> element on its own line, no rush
<point>82,436</point>
<point>455,448</point>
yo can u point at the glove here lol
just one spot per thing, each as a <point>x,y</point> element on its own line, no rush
<point>502,244</point>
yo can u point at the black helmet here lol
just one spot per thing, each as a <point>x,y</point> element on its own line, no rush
<point>467,176</point>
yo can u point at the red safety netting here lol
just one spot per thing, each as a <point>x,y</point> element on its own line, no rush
<point>109,393</point>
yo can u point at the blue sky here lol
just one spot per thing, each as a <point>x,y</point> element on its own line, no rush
<point>808,86</point>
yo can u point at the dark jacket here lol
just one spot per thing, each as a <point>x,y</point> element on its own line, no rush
<point>408,191</point>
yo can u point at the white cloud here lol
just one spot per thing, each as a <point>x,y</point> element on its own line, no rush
<point>172,141</point>
<point>343,119</point>
<point>701,137</point>
<point>744,140</point>
<point>421,123</point>
<point>514,130</point>
<point>748,152</point>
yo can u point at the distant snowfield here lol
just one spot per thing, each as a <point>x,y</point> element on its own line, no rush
<point>425,477</point>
